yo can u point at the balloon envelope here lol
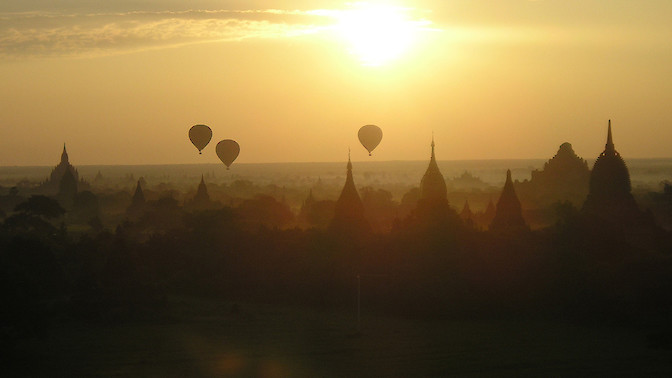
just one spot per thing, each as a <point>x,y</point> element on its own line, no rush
<point>200,136</point>
<point>227,151</point>
<point>370,136</point>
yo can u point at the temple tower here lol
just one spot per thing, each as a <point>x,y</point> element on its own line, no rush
<point>349,210</point>
<point>53,182</point>
<point>137,203</point>
<point>433,186</point>
<point>509,214</point>
<point>610,190</point>
<point>202,196</point>
<point>466,213</point>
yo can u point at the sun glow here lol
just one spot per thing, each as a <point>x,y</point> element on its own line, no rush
<point>378,33</point>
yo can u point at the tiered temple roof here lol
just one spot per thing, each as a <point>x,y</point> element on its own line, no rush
<point>51,186</point>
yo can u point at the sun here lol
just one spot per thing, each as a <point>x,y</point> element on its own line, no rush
<point>378,33</point>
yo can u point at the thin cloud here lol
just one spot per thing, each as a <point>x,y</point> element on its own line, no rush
<point>36,34</point>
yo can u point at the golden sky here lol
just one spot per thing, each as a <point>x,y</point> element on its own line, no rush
<point>121,82</point>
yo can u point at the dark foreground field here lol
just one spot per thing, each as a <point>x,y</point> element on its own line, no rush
<point>211,338</point>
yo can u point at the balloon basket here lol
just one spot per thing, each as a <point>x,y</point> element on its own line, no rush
<point>200,153</point>
<point>369,154</point>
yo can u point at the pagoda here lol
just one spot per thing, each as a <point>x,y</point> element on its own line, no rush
<point>433,209</point>
<point>509,214</point>
<point>610,193</point>
<point>201,200</point>
<point>349,210</point>
<point>138,203</point>
<point>432,186</point>
<point>52,184</point>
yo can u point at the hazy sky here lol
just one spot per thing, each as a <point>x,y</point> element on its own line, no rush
<point>121,82</point>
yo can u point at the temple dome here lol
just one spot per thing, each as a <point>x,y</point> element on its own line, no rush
<point>610,176</point>
<point>610,190</point>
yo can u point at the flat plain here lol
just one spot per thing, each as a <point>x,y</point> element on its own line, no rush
<point>211,338</point>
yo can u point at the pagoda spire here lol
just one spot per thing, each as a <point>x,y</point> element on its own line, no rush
<point>610,141</point>
<point>138,196</point>
<point>64,155</point>
<point>432,157</point>
<point>202,191</point>
<point>349,166</point>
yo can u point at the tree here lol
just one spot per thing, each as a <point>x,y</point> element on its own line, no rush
<point>41,206</point>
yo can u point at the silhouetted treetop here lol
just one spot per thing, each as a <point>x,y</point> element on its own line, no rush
<point>42,206</point>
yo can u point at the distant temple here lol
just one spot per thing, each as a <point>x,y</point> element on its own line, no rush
<point>433,186</point>
<point>466,213</point>
<point>308,202</point>
<point>202,192</point>
<point>564,177</point>
<point>508,215</point>
<point>467,181</point>
<point>201,200</point>
<point>432,208</point>
<point>306,209</point>
<point>53,182</point>
<point>316,213</point>
<point>138,203</point>
<point>610,191</point>
<point>482,219</point>
<point>349,210</point>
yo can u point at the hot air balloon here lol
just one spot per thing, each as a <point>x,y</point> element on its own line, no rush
<point>200,136</point>
<point>227,151</point>
<point>370,136</point>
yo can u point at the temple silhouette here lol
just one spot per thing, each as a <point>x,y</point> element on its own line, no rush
<point>565,177</point>
<point>433,186</point>
<point>508,214</point>
<point>349,211</point>
<point>604,192</point>
<point>466,214</point>
<point>201,200</point>
<point>52,185</point>
<point>433,207</point>
<point>610,195</point>
<point>314,212</point>
<point>138,203</point>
